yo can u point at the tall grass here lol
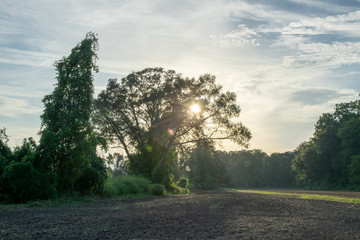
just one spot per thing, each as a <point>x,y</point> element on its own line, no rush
<point>307,196</point>
<point>129,186</point>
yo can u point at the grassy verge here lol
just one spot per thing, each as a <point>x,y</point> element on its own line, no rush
<point>307,196</point>
<point>122,187</point>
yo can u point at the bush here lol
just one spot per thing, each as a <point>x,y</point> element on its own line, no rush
<point>127,185</point>
<point>26,183</point>
<point>109,189</point>
<point>174,187</point>
<point>93,178</point>
<point>158,190</point>
<point>131,185</point>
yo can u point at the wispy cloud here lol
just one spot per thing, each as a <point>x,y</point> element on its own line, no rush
<point>320,54</point>
<point>347,24</point>
<point>15,107</point>
<point>27,58</point>
<point>239,37</point>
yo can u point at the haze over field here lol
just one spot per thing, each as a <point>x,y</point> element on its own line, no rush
<point>288,61</point>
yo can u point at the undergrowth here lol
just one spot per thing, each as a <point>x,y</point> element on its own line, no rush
<point>131,186</point>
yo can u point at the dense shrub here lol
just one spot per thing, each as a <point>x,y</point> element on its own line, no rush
<point>25,183</point>
<point>158,190</point>
<point>93,178</point>
<point>131,185</point>
<point>109,189</point>
<point>127,185</point>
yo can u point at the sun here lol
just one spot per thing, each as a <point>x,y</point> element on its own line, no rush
<point>195,108</point>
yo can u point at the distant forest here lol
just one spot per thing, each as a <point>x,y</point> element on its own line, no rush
<point>167,128</point>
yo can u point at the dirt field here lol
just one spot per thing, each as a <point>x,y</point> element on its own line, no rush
<point>204,215</point>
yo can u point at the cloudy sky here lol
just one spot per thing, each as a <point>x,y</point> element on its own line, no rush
<point>289,61</point>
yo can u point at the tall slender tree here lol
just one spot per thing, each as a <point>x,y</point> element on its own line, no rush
<point>68,142</point>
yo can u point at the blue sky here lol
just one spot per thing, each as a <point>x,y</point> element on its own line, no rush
<point>288,61</point>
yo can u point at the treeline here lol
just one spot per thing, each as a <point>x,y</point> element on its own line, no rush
<point>207,168</point>
<point>331,158</point>
<point>254,168</point>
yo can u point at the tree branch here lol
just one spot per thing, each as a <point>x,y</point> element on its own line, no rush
<point>118,135</point>
<point>202,139</point>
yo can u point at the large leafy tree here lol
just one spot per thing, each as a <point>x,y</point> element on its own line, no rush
<point>349,134</point>
<point>151,113</point>
<point>330,159</point>
<point>68,142</point>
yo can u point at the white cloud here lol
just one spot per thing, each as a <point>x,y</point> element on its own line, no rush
<point>324,55</point>
<point>348,24</point>
<point>27,58</point>
<point>15,107</point>
<point>241,36</point>
<point>328,6</point>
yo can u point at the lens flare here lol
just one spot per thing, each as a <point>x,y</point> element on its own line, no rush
<point>170,131</point>
<point>148,148</point>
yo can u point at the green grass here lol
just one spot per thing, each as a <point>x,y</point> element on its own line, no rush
<point>131,187</point>
<point>307,196</point>
<point>122,187</point>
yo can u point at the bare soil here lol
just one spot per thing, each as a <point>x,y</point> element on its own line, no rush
<point>204,215</point>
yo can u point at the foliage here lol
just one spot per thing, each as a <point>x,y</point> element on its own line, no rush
<point>26,183</point>
<point>244,168</point>
<point>173,186</point>
<point>20,181</point>
<point>5,152</point>
<point>183,183</point>
<point>117,164</point>
<point>93,177</point>
<point>206,169</point>
<point>330,158</point>
<point>306,164</point>
<point>68,142</point>
<point>277,170</point>
<point>127,185</point>
<point>158,190</point>
<point>254,168</point>
<point>25,152</point>
<point>149,115</point>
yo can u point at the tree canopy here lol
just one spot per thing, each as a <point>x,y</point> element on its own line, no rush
<point>331,157</point>
<point>154,111</point>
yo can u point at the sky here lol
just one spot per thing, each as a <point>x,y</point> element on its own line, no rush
<point>288,61</point>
